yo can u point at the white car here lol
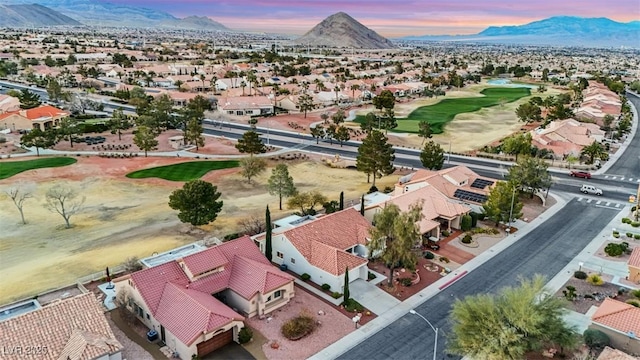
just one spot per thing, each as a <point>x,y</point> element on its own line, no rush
<point>590,189</point>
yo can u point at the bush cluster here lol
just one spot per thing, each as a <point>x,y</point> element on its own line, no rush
<point>245,334</point>
<point>467,239</point>
<point>305,277</point>
<point>353,306</point>
<point>580,275</point>
<point>444,259</point>
<point>466,223</point>
<point>596,339</point>
<point>626,221</point>
<point>335,295</point>
<point>595,279</point>
<point>634,303</point>
<point>299,326</point>
<point>405,281</point>
<point>326,287</point>
<point>429,255</point>
<point>613,249</point>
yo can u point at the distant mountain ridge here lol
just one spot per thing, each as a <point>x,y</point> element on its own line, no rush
<point>194,22</point>
<point>556,31</point>
<point>342,31</point>
<point>33,15</point>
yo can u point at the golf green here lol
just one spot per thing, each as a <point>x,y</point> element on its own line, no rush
<point>439,114</point>
<point>10,168</point>
<point>185,171</point>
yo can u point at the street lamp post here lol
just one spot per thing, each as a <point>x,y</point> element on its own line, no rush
<point>435,330</point>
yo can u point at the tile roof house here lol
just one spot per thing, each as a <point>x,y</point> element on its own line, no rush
<point>323,247</point>
<point>42,117</point>
<point>438,211</point>
<point>194,302</point>
<point>566,137</point>
<point>621,322</point>
<point>74,329</point>
<point>614,354</point>
<point>246,105</point>
<point>634,266</point>
<point>458,183</point>
<point>8,103</point>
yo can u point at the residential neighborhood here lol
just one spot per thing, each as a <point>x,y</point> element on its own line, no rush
<point>195,192</point>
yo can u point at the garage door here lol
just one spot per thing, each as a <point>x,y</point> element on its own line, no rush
<point>215,343</point>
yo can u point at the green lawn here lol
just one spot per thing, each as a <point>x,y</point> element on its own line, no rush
<point>10,168</point>
<point>438,115</point>
<point>186,171</point>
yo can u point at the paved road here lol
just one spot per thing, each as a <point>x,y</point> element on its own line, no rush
<point>558,239</point>
<point>629,163</point>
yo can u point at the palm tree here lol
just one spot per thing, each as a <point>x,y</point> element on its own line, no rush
<point>251,77</point>
<point>354,87</point>
<point>595,150</point>
<point>212,83</point>
<point>243,85</point>
<point>337,90</point>
<point>202,78</point>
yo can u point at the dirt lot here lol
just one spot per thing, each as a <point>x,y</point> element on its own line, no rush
<point>125,217</point>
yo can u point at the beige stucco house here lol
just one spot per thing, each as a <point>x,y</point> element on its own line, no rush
<point>621,322</point>
<point>42,117</point>
<point>198,303</point>
<point>634,266</point>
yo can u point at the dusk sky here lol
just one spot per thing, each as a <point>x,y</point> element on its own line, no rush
<point>388,17</point>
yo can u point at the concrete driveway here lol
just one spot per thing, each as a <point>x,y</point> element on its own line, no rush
<point>232,351</point>
<point>372,297</point>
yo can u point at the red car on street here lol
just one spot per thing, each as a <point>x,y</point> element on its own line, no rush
<point>581,174</point>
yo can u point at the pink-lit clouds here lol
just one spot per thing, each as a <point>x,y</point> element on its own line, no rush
<point>391,17</point>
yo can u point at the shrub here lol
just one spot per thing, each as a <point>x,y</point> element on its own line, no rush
<point>3,139</point>
<point>371,275</point>
<point>445,233</point>
<point>636,236</point>
<point>231,236</point>
<point>570,293</point>
<point>580,275</point>
<point>132,264</point>
<point>245,335</point>
<point>613,249</point>
<point>626,221</point>
<point>616,235</point>
<point>372,189</point>
<point>616,232</point>
<point>299,326</point>
<point>588,296</point>
<point>474,219</point>
<point>636,293</point>
<point>596,339</point>
<point>326,287</point>
<point>466,222</point>
<point>635,224</point>
<point>429,255</point>
<point>388,189</point>
<point>595,279</point>
<point>335,295</point>
<point>482,216</point>
<point>405,281</point>
<point>353,306</point>
<point>467,239</point>
<point>634,303</point>
<point>629,234</point>
<point>305,277</point>
<point>444,259</point>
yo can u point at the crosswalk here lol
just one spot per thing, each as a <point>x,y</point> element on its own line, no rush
<point>602,203</point>
<point>622,178</point>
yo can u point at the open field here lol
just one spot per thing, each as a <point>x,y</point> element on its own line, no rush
<point>443,112</point>
<point>11,168</point>
<point>131,217</point>
<point>186,171</point>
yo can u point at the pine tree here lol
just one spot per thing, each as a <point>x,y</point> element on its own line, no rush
<point>346,294</point>
<point>267,242</point>
<point>341,200</point>
<point>375,156</point>
<point>250,143</point>
<point>432,156</point>
<point>362,206</point>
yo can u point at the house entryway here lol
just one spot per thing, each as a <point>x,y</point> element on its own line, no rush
<point>215,343</point>
<point>372,297</point>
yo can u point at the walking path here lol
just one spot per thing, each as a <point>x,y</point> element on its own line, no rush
<point>396,312</point>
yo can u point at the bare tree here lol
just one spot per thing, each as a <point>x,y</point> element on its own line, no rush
<point>253,225</point>
<point>19,193</point>
<point>64,201</point>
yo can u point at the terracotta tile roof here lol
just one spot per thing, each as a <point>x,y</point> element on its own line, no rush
<point>75,328</point>
<point>150,282</point>
<point>634,260</point>
<point>619,316</point>
<point>435,203</point>
<point>188,313</point>
<point>249,277</point>
<point>323,241</point>
<point>205,260</point>
<point>447,181</point>
<point>614,354</point>
<point>45,111</point>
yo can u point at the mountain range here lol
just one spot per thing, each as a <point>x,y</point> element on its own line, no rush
<point>22,15</point>
<point>342,31</point>
<point>554,31</point>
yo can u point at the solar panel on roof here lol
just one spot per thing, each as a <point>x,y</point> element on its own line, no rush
<point>471,196</point>
<point>481,183</point>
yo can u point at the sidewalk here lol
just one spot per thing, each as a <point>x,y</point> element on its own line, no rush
<point>393,314</point>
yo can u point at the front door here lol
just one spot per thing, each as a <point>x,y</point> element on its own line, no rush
<point>162,336</point>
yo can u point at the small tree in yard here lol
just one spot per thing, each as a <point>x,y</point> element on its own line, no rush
<point>306,202</point>
<point>251,144</point>
<point>498,204</point>
<point>118,122</point>
<point>395,234</point>
<point>362,205</point>
<point>19,193</point>
<point>268,247</point>
<point>197,202</point>
<point>39,139</point>
<point>346,292</point>
<point>596,339</point>
<point>252,166</point>
<point>64,201</point>
<point>465,224</point>
<point>341,207</point>
<point>281,183</point>
<point>145,139</point>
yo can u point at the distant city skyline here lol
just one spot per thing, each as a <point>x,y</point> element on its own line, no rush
<point>426,17</point>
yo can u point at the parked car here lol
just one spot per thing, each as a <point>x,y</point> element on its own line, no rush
<point>590,189</point>
<point>581,174</point>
